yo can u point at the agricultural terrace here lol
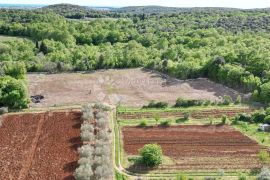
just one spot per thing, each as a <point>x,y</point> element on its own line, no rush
<point>131,87</point>
<point>195,148</point>
<point>38,145</point>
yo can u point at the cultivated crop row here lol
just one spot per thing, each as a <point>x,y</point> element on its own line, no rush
<point>95,154</point>
<point>198,114</point>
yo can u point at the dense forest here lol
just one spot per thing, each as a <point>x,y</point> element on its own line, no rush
<point>229,46</point>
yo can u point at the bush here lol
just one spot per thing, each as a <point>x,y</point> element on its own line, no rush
<point>267,111</point>
<point>3,110</point>
<point>224,119</point>
<point>186,116</point>
<point>188,102</point>
<point>181,177</point>
<point>87,136</point>
<point>258,116</point>
<point>154,104</point>
<point>165,123</point>
<point>238,100</point>
<point>151,154</point>
<point>244,117</point>
<point>264,174</point>
<point>227,100</point>
<point>83,172</point>
<point>242,177</point>
<point>267,119</point>
<point>263,156</point>
<point>143,123</point>
<point>14,93</point>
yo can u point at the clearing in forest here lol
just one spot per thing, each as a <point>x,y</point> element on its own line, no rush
<point>132,87</point>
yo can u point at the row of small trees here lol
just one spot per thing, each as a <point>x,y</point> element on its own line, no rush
<point>95,154</point>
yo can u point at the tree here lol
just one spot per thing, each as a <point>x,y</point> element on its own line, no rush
<point>151,154</point>
<point>13,93</point>
<point>265,92</point>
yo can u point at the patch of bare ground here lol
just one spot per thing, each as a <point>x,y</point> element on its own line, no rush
<point>132,87</point>
<point>39,145</point>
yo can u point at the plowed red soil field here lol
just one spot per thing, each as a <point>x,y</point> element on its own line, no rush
<point>196,147</point>
<point>39,145</point>
<point>198,114</point>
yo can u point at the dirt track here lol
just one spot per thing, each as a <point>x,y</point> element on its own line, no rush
<point>133,87</point>
<point>196,147</point>
<point>39,146</point>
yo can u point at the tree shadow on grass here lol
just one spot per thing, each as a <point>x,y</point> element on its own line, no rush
<point>138,167</point>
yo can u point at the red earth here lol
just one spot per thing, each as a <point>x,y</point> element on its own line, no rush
<point>39,145</point>
<point>194,147</point>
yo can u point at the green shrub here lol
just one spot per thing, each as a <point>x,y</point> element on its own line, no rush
<point>267,119</point>
<point>119,176</point>
<point>143,123</point>
<point>14,93</point>
<point>188,102</point>
<point>181,177</point>
<point>224,119</point>
<point>165,123</point>
<point>157,118</point>
<point>238,100</point>
<point>244,117</point>
<point>186,115</point>
<point>242,177</point>
<point>154,104</point>
<point>258,116</point>
<point>267,111</point>
<point>227,100</point>
<point>151,154</point>
<point>263,156</point>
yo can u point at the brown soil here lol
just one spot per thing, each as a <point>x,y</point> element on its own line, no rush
<point>39,145</point>
<point>198,114</point>
<point>132,87</point>
<point>196,147</point>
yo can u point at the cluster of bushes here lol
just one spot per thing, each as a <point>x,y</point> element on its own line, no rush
<point>260,116</point>
<point>227,100</point>
<point>13,89</point>
<point>154,104</point>
<point>95,154</point>
<point>180,102</point>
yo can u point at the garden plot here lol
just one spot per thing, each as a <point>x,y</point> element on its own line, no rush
<point>195,148</point>
<point>39,145</point>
